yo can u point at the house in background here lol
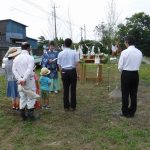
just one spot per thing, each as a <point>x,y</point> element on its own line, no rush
<point>33,42</point>
<point>12,33</point>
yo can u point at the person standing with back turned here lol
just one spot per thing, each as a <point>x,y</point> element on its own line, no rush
<point>68,61</point>
<point>23,67</point>
<point>129,63</point>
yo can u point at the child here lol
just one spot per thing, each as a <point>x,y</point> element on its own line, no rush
<point>12,90</point>
<point>37,102</point>
<point>45,87</point>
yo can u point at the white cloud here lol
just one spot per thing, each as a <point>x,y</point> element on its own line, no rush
<point>35,15</point>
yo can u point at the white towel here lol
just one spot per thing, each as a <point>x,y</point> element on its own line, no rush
<point>29,93</point>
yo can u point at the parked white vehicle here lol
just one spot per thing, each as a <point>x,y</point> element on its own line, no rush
<point>3,62</point>
<point>37,59</point>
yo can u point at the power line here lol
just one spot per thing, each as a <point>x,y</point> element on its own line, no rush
<point>36,6</point>
<point>43,10</point>
<point>56,17</point>
<point>27,13</point>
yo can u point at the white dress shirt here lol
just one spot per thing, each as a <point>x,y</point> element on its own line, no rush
<point>23,66</point>
<point>68,58</point>
<point>130,59</point>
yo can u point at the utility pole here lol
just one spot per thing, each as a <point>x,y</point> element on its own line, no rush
<point>84,32</point>
<point>81,34</point>
<point>0,36</point>
<point>70,24</point>
<point>55,21</point>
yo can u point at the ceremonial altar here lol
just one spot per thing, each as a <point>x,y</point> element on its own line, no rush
<point>86,73</point>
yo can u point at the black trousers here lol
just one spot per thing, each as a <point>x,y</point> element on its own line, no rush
<point>129,88</point>
<point>69,79</point>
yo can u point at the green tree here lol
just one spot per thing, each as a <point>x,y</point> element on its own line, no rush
<point>137,25</point>
<point>59,41</point>
<point>106,30</point>
<point>103,32</point>
<point>42,41</point>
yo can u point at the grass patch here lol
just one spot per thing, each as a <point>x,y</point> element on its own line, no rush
<point>144,73</point>
<point>92,127</point>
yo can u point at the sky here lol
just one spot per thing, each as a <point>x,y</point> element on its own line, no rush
<point>71,15</point>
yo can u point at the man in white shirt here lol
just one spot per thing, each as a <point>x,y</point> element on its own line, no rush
<point>68,61</point>
<point>129,63</point>
<point>23,67</point>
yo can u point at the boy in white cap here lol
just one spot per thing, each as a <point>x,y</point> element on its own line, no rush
<point>45,87</point>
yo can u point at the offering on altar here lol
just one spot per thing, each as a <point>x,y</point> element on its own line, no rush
<point>116,49</point>
<point>97,59</point>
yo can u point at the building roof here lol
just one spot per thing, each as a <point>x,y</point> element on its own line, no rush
<point>6,20</point>
<point>31,38</point>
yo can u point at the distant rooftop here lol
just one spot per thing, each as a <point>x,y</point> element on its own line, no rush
<point>13,21</point>
<point>31,38</point>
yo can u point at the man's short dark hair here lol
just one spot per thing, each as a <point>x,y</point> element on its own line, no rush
<point>25,45</point>
<point>129,39</point>
<point>68,42</point>
<point>52,43</point>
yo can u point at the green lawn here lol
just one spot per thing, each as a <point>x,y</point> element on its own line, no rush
<point>92,127</point>
<point>145,73</point>
<point>148,58</point>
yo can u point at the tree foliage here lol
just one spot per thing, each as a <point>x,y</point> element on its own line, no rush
<point>103,32</point>
<point>59,41</point>
<point>42,41</point>
<point>106,30</point>
<point>137,25</point>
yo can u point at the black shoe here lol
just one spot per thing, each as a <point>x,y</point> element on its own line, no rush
<point>127,115</point>
<point>66,109</point>
<point>23,114</point>
<point>119,114</point>
<point>31,116</point>
<point>131,115</point>
<point>72,109</point>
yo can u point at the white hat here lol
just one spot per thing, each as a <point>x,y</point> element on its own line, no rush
<point>13,52</point>
<point>44,71</point>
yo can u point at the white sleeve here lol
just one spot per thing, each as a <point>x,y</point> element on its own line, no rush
<point>120,63</point>
<point>58,60</point>
<point>29,71</point>
<point>15,72</point>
